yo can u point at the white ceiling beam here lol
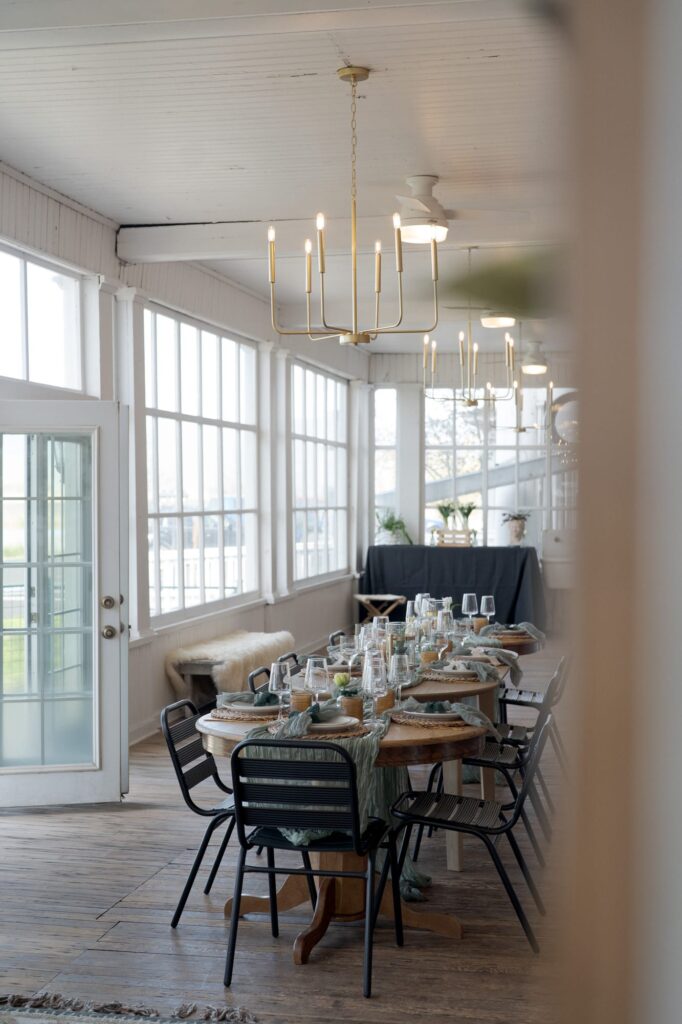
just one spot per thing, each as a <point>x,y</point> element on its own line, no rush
<point>55,23</point>
<point>247,240</point>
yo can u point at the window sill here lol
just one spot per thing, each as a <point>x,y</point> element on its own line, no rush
<point>318,582</point>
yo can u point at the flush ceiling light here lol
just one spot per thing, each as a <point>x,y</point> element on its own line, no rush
<point>422,217</point>
<point>494,319</point>
<point>534,360</point>
<point>352,333</point>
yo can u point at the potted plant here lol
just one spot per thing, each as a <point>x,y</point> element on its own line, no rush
<point>516,522</point>
<point>464,510</point>
<point>391,528</point>
<point>446,510</point>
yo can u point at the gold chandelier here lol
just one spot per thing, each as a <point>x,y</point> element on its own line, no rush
<point>351,334</point>
<point>467,391</point>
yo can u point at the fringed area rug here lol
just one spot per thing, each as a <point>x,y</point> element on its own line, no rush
<point>44,1009</point>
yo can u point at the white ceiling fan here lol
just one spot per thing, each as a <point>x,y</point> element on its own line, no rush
<point>423,216</point>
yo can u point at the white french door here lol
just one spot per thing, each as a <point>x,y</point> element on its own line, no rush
<point>63,581</point>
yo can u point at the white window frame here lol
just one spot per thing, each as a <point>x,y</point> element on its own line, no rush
<point>308,581</point>
<point>548,510</point>
<point>374,447</point>
<point>31,388</point>
<point>243,597</point>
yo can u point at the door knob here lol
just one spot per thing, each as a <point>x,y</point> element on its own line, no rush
<point>108,602</point>
<point>109,632</point>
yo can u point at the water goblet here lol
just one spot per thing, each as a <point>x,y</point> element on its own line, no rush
<point>470,607</point>
<point>280,684</point>
<point>399,673</point>
<point>316,676</point>
<point>488,606</point>
<point>374,683</point>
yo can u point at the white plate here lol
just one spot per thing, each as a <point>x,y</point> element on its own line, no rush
<point>445,716</point>
<point>453,673</point>
<point>339,724</point>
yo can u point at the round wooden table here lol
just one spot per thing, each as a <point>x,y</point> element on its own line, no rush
<point>343,898</point>
<point>524,644</point>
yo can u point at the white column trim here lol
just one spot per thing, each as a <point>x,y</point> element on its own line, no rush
<point>266,463</point>
<point>282,503</point>
<point>359,496</point>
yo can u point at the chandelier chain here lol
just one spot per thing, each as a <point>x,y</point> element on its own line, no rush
<point>353,138</point>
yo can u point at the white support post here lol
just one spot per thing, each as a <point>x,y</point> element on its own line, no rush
<point>410,458</point>
<point>359,495</point>
<point>281,475</point>
<point>131,392</point>
<point>268,457</point>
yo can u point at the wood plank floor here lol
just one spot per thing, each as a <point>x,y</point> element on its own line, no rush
<point>86,897</point>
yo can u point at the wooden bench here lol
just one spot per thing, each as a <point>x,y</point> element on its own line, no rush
<point>379,604</point>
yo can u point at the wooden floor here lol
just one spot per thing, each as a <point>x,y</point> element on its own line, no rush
<point>86,898</point>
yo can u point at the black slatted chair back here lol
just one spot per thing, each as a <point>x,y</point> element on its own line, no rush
<point>292,658</point>
<point>335,638</point>
<point>192,763</point>
<point>258,680</point>
<point>536,750</point>
<point>277,784</point>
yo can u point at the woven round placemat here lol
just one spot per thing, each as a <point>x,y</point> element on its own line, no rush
<point>400,718</point>
<point>446,677</point>
<point>245,714</point>
<point>355,730</point>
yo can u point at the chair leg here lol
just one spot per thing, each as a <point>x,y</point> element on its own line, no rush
<point>503,712</point>
<point>540,812</point>
<point>418,842</point>
<point>369,921</point>
<point>216,862</point>
<point>559,749</point>
<point>234,920</point>
<point>404,846</point>
<point>533,839</point>
<point>309,878</point>
<point>545,790</point>
<point>395,885</point>
<point>521,861</point>
<point>272,886</point>
<point>212,825</point>
<point>511,893</point>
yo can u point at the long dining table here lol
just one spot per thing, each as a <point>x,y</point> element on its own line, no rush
<point>403,745</point>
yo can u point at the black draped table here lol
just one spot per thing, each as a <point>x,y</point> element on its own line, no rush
<point>512,575</point>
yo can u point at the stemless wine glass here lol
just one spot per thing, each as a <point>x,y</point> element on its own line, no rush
<point>419,603</point>
<point>374,682</point>
<point>380,622</point>
<point>399,673</point>
<point>280,683</point>
<point>316,676</point>
<point>410,611</point>
<point>488,606</point>
<point>445,621</point>
<point>470,607</point>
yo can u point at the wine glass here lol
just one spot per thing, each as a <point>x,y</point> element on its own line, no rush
<point>419,603</point>
<point>470,607</point>
<point>316,676</point>
<point>380,622</point>
<point>374,682</point>
<point>445,621</point>
<point>410,611</point>
<point>399,673</point>
<point>488,606</point>
<point>280,683</point>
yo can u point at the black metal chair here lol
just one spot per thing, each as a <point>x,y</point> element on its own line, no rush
<point>534,700</point>
<point>336,636</point>
<point>289,791</point>
<point>193,764</point>
<point>485,819</point>
<point>253,677</point>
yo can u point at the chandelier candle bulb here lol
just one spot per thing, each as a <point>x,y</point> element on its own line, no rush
<point>434,260</point>
<point>433,358</point>
<point>426,350</point>
<point>271,254</point>
<point>319,224</point>
<point>398,243</point>
<point>308,266</point>
<point>475,359</point>
<point>377,267</point>
<point>512,360</point>
<point>461,349</point>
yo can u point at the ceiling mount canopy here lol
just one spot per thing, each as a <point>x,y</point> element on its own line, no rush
<point>422,216</point>
<point>352,333</point>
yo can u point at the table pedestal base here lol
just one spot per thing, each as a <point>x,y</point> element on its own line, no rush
<point>341,899</point>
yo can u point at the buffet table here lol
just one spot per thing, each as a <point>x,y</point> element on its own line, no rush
<point>512,575</point>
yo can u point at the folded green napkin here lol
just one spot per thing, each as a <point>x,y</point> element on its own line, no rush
<point>468,714</point>
<point>508,658</point>
<point>258,700</point>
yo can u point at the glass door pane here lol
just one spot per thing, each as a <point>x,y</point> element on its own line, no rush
<point>47,696</point>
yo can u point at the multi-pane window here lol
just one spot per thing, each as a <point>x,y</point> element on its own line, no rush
<point>385,452</point>
<point>476,456</point>
<point>202,464</point>
<point>39,323</point>
<point>320,476</point>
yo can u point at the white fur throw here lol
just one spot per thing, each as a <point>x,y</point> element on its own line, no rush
<point>233,657</point>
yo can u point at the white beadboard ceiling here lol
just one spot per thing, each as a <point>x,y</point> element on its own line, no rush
<point>176,112</point>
